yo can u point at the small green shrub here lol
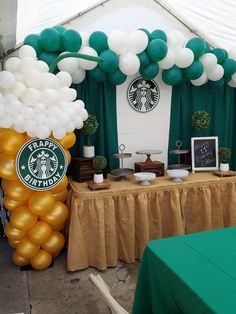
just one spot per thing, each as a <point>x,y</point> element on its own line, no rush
<point>200,120</point>
<point>90,127</point>
<point>224,154</point>
<point>99,163</point>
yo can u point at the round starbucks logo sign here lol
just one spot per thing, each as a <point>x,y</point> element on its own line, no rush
<point>143,95</point>
<point>41,164</point>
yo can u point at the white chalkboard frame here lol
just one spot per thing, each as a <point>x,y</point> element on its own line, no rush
<point>193,142</point>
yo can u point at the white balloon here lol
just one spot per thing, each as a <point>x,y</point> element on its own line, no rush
<point>18,120</point>
<point>42,66</point>
<point>85,39</point>
<point>7,79</point>
<point>86,64</point>
<point>50,97</point>
<point>40,118</point>
<point>201,80</point>
<point>84,114</point>
<point>78,122</point>
<point>39,108</point>
<point>216,73</point>
<point>232,83</point>
<point>6,121</point>
<point>20,128</point>
<point>30,127</point>
<point>32,78</point>
<point>27,63</point>
<point>68,94</point>
<point>18,89</point>
<point>138,41</point>
<point>168,61</point>
<point>70,127</point>
<point>63,119</point>
<point>42,131</point>
<point>232,53</point>
<point>51,123</point>
<point>49,80</point>
<point>14,107</point>
<point>78,76</point>
<point>184,57</point>
<point>53,111</point>
<point>59,133</point>
<point>118,41</point>
<point>64,79</point>
<point>176,40</point>
<point>234,77</point>
<point>30,96</point>
<point>209,61</point>
<point>129,63</point>
<point>12,64</point>
<point>79,104</point>
<point>68,65</point>
<point>27,51</point>
<point>19,77</point>
<point>2,110</point>
<point>28,112</point>
<point>8,98</point>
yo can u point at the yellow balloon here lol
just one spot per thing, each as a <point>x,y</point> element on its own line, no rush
<point>61,196</point>
<point>17,190</point>
<point>7,167</point>
<point>14,233</point>
<point>22,218</point>
<point>68,141</point>
<point>54,243</point>
<point>4,184</point>
<point>60,186</point>
<point>68,156</point>
<point>19,260</point>
<point>3,132</point>
<point>41,260</point>
<point>12,142</point>
<point>41,202</point>
<point>40,232</point>
<point>27,249</point>
<point>11,204</point>
<point>13,243</point>
<point>59,227</point>
<point>57,215</point>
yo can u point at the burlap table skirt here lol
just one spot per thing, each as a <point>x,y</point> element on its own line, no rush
<point>113,224</point>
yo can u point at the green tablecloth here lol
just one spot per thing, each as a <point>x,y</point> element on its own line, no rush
<point>189,274</point>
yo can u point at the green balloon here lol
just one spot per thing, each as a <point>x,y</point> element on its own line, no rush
<point>149,71</point>
<point>197,45</point>
<point>172,76</point>
<point>208,47</point>
<point>157,50</point>
<point>71,40</point>
<point>110,61</point>
<point>143,58</point>
<point>227,79</point>
<point>50,40</point>
<point>195,70</point>
<point>221,54</point>
<point>229,66</point>
<point>146,32</point>
<point>217,84</point>
<point>97,75</point>
<point>116,77</point>
<point>33,41</point>
<point>98,41</point>
<point>48,57</point>
<point>60,29</point>
<point>158,34</point>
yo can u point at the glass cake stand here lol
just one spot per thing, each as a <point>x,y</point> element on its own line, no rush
<point>122,172</point>
<point>148,153</point>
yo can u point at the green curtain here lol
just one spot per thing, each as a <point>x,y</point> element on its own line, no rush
<point>219,103</point>
<point>100,100</point>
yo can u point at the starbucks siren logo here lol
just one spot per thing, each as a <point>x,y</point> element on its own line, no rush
<point>41,164</point>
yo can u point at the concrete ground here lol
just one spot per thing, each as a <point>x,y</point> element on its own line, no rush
<point>56,291</point>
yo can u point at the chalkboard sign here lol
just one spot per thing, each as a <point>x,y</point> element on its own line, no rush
<point>204,153</point>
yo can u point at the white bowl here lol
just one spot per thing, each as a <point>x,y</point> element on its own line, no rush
<point>144,177</point>
<point>177,174</point>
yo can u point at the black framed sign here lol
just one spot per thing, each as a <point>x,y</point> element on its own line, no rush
<point>204,153</point>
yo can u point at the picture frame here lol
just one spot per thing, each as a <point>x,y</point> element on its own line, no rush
<point>204,153</point>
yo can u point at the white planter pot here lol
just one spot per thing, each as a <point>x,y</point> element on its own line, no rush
<point>98,178</point>
<point>224,167</point>
<point>88,151</point>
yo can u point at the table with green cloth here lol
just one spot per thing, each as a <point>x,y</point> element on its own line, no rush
<point>189,274</point>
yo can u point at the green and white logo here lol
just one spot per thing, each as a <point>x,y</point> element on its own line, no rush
<point>41,164</point>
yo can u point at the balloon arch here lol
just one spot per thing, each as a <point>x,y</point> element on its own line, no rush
<point>39,113</point>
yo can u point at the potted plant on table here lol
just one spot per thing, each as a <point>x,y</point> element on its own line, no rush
<point>200,120</point>
<point>89,128</point>
<point>224,156</point>
<point>99,163</point>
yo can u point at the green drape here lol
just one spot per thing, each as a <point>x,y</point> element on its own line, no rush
<point>219,103</point>
<point>100,100</point>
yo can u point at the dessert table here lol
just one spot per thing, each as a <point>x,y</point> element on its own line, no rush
<point>117,223</point>
<point>188,274</point>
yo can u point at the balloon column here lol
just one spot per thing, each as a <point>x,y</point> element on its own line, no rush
<point>38,114</point>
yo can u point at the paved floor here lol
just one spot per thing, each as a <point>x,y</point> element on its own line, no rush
<point>55,291</point>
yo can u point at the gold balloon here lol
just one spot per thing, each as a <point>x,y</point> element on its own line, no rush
<point>17,190</point>
<point>3,132</point>
<point>19,260</point>
<point>14,233</point>
<point>40,232</point>
<point>11,204</point>
<point>12,142</point>
<point>54,255</point>
<point>4,184</point>
<point>41,260</point>
<point>57,215</point>
<point>41,202</point>
<point>22,218</point>
<point>68,156</point>
<point>54,243</point>
<point>59,227</point>
<point>61,196</point>
<point>27,249</point>
<point>7,167</point>
<point>13,243</point>
<point>60,186</point>
<point>68,141</point>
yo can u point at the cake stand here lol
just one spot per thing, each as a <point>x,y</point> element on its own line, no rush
<point>148,153</point>
<point>179,152</point>
<point>122,172</point>
<point>177,174</point>
<point>144,177</point>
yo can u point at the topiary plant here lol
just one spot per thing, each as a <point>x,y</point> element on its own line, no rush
<point>99,163</point>
<point>90,127</point>
<point>224,154</point>
<point>200,120</point>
